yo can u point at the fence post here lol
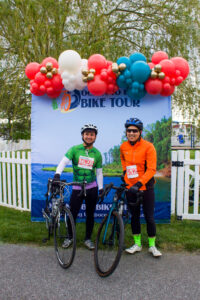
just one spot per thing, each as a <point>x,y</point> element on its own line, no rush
<point>173,183</point>
<point>14,187</point>
<point>186,183</point>
<point>180,183</point>
<point>196,183</point>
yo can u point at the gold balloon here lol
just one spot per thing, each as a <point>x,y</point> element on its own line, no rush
<point>115,68</point>
<point>161,75</point>
<point>55,71</point>
<point>154,74</point>
<point>84,79</point>
<point>122,67</point>
<point>49,66</point>
<point>92,71</point>
<point>43,70</point>
<point>85,72</point>
<point>157,68</point>
<point>90,76</point>
<point>49,75</point>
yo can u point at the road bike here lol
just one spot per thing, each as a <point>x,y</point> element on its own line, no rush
<point>109,242</point>
<point>59,220</point>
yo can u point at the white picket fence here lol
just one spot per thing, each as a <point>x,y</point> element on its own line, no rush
<point>15,180</point>
<point>185,185</point>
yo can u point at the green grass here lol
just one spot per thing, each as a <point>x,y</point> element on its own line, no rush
<point>17,228</point>
<point>108,170</point>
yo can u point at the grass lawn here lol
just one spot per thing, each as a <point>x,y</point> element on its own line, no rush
<point>16,227</point>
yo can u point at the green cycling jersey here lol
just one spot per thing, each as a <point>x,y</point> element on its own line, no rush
<point>84,162</point>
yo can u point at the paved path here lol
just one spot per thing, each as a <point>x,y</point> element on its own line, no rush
<point>32,273</point>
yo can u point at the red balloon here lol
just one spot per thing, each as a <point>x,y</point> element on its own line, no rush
<point>42,88</point>
<point>50,59</point>
<point>179,79</point>
<point>57,82</point>
<point>40,78</point>
<point>158,56</point>
<point>167,89</point>
<point>47,83</point>
<point>151,65</point>
<point>97,87</point>
<point>34,86</point>
<point>173,81</point>
<point>50,90</point>
<point>166,79</point>
<point>168,67</point>
<point>55,94</point>
<point>104,75</point>
<point>109,63</point>
<point>153,86</point>
<point>32,69</point>
<point>97,62</point>
<point>181,65</point>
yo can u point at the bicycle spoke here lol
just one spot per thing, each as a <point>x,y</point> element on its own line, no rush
<point>64,230</point>
<point>109,245</point>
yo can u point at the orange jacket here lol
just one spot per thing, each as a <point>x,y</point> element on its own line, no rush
<point>139,162</point>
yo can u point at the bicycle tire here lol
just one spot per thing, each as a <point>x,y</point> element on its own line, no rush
<point>107,254</point>
<point>65,256</point>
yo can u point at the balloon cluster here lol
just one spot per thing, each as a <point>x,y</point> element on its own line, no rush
<point>44,78</point>
<point>132,73</point>
<point>132,79</point>
<point>70,68</point>
<point>100,77</point>
<point>166,74</point>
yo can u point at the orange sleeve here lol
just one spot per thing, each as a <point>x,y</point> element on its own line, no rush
<point>151,159</point>
<point>122,159</point>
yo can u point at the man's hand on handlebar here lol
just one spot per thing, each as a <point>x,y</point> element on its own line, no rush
<point>55,183</point>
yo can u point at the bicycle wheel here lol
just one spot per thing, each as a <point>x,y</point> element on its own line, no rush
<point>62,232</point>
<point>109,244</point>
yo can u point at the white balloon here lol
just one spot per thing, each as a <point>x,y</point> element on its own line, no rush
<point>72,78</point>
<point>79,81</point>
<point>70,61</point>
<point>84,63</point>
<point>65,74</point>
<point>65,82</point>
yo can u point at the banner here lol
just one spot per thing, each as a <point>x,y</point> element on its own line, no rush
<point>56,125</point>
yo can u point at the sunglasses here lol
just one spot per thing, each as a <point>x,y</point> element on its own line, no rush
<point>132,130</point>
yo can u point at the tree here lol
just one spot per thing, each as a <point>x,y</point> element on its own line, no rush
<point>32,30</point>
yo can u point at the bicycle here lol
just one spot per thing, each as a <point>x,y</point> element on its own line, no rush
<point>109,242</point>
<point>59,220</point>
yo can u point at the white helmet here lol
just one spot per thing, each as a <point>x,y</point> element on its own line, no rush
<point>89,127</point>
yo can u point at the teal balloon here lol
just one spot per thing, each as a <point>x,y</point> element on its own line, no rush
<point>129,81</point>
<point>124,60</point>
<point>121,83</point>
<point>127,73</point>
<point>140,71</point>
<point>135,85</point>
<point>137,56</point>
<point>141,87</point>
<point>135,93</point>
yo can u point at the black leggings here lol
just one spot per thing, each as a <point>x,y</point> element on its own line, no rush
<point>90,201</point>
<point>148,209</point>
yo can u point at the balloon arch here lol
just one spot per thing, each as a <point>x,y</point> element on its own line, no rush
<point>133,74</point>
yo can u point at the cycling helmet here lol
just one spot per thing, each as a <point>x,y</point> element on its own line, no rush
<point>89,127</point>
<point>134,122</point>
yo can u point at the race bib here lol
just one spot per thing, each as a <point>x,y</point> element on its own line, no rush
<point>85,162</point>
<point>132,171</point>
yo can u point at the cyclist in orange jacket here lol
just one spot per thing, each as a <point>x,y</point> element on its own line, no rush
<point>138,159</point>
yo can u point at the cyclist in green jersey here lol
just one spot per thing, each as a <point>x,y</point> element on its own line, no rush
<point>86,159</point>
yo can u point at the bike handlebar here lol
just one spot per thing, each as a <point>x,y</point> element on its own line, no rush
<point>63,183</point>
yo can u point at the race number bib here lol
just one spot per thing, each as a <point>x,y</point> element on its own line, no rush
<point>132,171</point>
<point>85,162</point>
